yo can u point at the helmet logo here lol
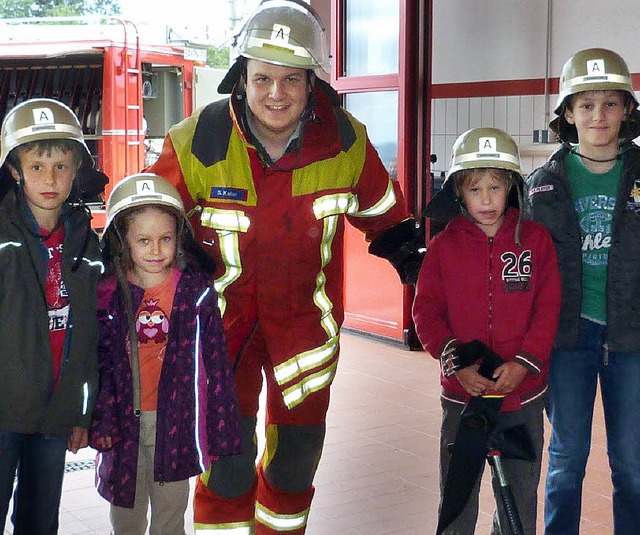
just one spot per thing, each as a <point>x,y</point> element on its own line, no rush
<point>487,144</point>
<point>43,116</point>
<point>145,187</point>
<point>280,33</point>
<point>595,67</point>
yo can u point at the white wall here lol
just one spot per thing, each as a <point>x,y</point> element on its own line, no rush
<point>501,40</point>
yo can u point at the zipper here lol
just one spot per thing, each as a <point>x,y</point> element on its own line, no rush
<point>490,311</point>
<point>605,358</point>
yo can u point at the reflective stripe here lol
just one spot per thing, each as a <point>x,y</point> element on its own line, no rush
<point>328,208</point>
<point>303,362</point>
<point>197,358</point>
<point>230,252</point>
<point>297,393</point>
<point>99,460</point>
<point>493,156</point>
<point>10,244</point>
<point>339,203</point>
<point>122,132</point>
<point>232,528</point>
<point>320,297</point>
<point>281,522</point>
<point>93,263</point>
<point>597,78</point>
<point>227,224</point>
<point>85,398</point>
<point>23,135</point>
<point>233,220</point>
<point>387,201</point>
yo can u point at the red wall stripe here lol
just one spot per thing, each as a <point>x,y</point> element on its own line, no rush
<point>502,88</point>
<point>498,88</point>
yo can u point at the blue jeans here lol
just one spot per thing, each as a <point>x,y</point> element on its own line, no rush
<point>572,389</point>
<point>39,460</point>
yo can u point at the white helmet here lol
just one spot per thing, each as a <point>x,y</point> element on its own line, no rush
<point>595,69</point>
<point>284,32</point>
<point>477,148</point>
<point>39,119</point>
<point>143,189</point>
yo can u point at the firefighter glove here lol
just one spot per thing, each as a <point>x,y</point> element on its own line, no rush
<point>404,246</point>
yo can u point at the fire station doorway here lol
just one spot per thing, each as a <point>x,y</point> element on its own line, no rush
<point>381,67</point>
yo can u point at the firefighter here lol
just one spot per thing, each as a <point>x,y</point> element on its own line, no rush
<point>269,177</point>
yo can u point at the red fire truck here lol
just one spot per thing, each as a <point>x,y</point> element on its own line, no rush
<point>125,90</point>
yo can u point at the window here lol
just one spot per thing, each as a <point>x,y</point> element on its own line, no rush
<point>372,36</point>
<point>379,112</point>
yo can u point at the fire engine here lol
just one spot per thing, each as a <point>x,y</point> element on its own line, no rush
<point>125,90</point>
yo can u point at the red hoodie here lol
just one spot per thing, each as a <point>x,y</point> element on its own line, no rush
<point>491,289</point>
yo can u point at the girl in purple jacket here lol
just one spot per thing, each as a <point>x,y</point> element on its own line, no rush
<point>167,403</point>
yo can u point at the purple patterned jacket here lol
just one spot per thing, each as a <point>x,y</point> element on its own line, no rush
<point>198,417</point>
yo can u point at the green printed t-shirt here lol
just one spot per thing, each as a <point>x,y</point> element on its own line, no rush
<point>594,199</point>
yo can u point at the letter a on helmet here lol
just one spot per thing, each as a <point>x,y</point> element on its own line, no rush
<point>40,119</point>
<point>143,189</point>
<point>594,69</point>
<point>284,32</point>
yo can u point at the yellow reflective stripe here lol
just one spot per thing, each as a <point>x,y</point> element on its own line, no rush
<point>318,356</point>
<point>297,393</point>
<point>336,204</point>
<point>382,206</point>
<point>232,528</point>
<point>227,224</point>
<point>232,220</point>
<point>320,297</point>
<point>303,362</point>
<point>230,252</point>
<point>281,522</point>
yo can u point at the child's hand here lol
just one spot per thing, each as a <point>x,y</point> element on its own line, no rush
<point>509,376</point>
<point>473,382</point>
<point>104,443</point>
<point>78,439</point>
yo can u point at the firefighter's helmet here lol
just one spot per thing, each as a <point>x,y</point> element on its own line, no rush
<point>478,148</point>
<point>284,32</point>
<point>39,119</point>
<point>484,147</point>
<point>143,189</point>
<point>594,69</point>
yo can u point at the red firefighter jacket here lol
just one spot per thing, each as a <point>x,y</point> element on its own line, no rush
<point>490,289</point>
<point>276,231</point>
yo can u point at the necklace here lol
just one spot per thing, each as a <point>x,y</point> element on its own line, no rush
<point>575,151</point>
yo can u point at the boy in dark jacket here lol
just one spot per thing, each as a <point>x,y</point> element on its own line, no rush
<point>588,196</point>
<point>488,277</point>
<point>49,268</point>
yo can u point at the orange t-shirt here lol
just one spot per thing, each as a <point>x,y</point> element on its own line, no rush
<point>152,328</point>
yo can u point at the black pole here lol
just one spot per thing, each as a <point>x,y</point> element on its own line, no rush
<point>504,496</point>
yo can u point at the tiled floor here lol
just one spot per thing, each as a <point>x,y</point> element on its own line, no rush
<point>378,473</point>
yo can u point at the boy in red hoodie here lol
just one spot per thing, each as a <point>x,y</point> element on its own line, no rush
<point>489,277</point>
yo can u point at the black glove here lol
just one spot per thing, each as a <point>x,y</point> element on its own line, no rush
<point>460,356</point>
<point>89,183</point>
<point>404,246</point>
